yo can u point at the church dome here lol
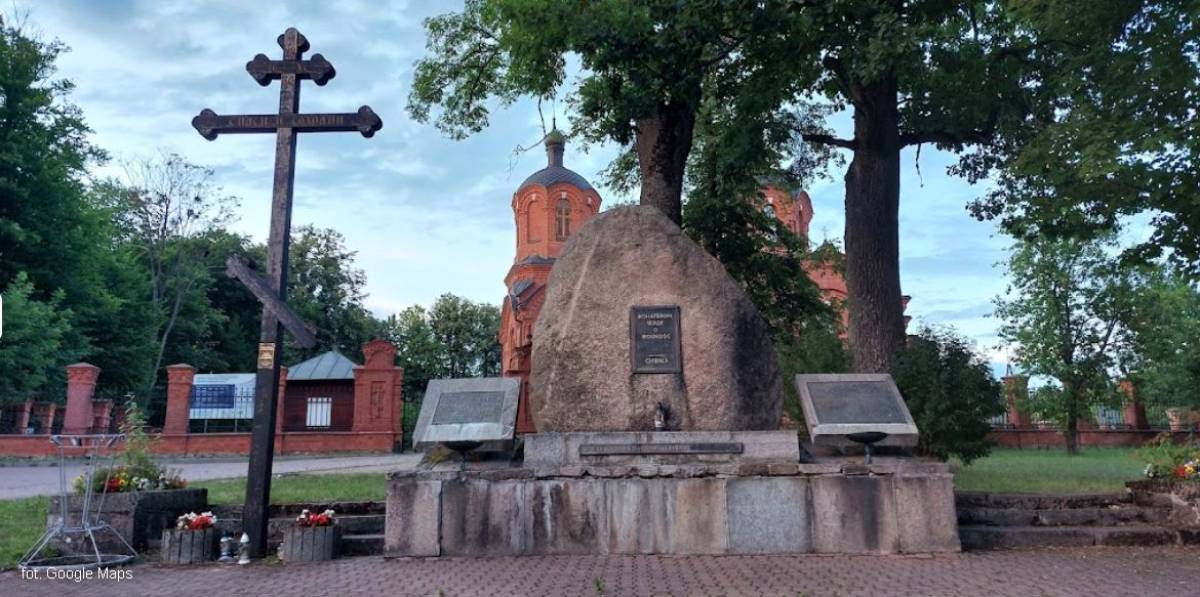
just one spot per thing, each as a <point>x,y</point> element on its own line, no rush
<point>555,172</point>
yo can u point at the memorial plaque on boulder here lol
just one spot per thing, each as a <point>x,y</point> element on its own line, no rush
<point>462,412</point>
<point>654,334</point>
<point>837,406</point>
<point>643,330</point>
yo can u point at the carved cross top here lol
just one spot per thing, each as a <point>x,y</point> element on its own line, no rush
<point>264,70</point>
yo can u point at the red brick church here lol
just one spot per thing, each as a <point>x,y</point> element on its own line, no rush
<point>554,202</point>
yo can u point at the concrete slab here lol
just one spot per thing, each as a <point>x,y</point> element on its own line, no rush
<point>768,515</point>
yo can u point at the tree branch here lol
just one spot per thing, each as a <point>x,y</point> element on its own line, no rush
<point>824,139</point>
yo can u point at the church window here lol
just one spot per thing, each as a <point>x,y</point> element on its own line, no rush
<point>562,220</point>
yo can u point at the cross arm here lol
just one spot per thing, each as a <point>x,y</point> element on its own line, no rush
<point>210,124</point>
<point>237,268</point>
<point>264,70</point>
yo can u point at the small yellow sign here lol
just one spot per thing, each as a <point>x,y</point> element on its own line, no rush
<point>266,355</point>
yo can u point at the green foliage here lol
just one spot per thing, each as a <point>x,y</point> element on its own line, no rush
<point>455,337</point>
<point>31,349</point>
<point>137,469</point>
<point>950,392</point>
<point>1114,131</point>
<point>1161,351</point>
<point>1068,299</point>
<point>326,290</point>
<point>1163,456</point>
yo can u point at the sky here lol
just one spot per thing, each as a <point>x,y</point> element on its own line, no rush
<point>427,215</point>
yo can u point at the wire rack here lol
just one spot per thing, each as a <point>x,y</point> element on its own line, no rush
<point>81,534</point>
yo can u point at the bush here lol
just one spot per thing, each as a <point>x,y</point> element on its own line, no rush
<point>1167,460</point>
<point>137,471</point>
<point>950,392</point>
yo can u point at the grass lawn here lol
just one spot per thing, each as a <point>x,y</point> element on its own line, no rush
<point>348,487</point>
<point>1100,470</point>
<point>21,524</point>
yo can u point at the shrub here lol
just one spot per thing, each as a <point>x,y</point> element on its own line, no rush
<point>1167,460</point>
<point>950,392</point>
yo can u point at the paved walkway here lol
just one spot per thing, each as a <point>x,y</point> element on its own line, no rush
<point>28,481</point>
<point>1100,572</point>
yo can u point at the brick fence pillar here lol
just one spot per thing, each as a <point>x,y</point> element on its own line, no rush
<point>179,397</point>
<point>1016,391</point>
<point>43,413</point>
<point>377,391</point>
<point>101,415</point>
<point>81,386</point>
<point>1134,411</point>
<point>24,412</point>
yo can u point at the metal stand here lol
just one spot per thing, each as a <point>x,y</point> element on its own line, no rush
<point>866,438</point>
<point>80,537</point>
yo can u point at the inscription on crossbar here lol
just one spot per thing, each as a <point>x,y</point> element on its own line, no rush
<point>457,408</point>
<point>648,449</point>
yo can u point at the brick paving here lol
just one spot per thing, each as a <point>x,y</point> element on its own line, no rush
<point>1133,571</point>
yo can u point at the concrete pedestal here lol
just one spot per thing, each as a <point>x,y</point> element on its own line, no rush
<point>897,506</point>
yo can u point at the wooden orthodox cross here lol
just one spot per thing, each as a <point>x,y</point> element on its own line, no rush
<point>273,291</point>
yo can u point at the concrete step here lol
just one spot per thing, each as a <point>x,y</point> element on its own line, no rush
<point>1025,501</point>
<point>362,545</point>
<point>293,510</point>
<point>353,524</point>
<point>1018,517</point>
<point>991,537</point>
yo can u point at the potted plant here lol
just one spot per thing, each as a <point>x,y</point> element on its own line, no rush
<point>191,541</point>
<point>315,537</point>
<point>1172,479</point>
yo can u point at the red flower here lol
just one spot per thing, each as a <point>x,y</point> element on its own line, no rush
<point>112,485</point>
<point>1180,472</point>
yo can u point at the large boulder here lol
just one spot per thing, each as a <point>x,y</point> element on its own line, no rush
<point>582,371</point>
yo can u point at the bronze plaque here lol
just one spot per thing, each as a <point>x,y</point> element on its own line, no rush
<point>458,408</point>
<point>654,339</point>
<point>657,449</point>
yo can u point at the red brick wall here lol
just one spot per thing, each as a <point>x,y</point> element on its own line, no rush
<point>212,444</point>
<point>1052,438</point>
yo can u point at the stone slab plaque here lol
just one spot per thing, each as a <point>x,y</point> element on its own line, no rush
<point>663,448</point>
<point>654,339</point>
<point>837,405</point>
<point>480,410</point>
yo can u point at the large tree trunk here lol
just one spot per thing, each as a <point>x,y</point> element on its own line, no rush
<point>663,143</point>
<point>876,329</point>
<point>1073,393</point>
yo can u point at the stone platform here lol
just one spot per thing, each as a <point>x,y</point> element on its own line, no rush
<point>747,507</point>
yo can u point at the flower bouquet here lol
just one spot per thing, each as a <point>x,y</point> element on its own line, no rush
<point>192,541</point>
<point>315,537</point>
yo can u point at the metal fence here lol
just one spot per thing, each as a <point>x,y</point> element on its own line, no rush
<point>1106,417</point>
<point>220,408</point>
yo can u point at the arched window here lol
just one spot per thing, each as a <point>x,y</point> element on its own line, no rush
<point>770,211</point>
<point>530,237</point>
<point>562,220</point>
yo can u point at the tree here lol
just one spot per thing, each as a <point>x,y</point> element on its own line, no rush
<point>1160,352</point>
<point>734,155</point>
<point>44,154</point>
<point>418,352</point>
<point>469,335</point>
<point>950,392</point>
<point>326,290</point>
<point>1120,138</point>
<point>166,205</point>
<point>644,70</point>
<point>912,72</point>
<point>1067,301</point>
<point>31,351</point>
<point>455,337</point>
